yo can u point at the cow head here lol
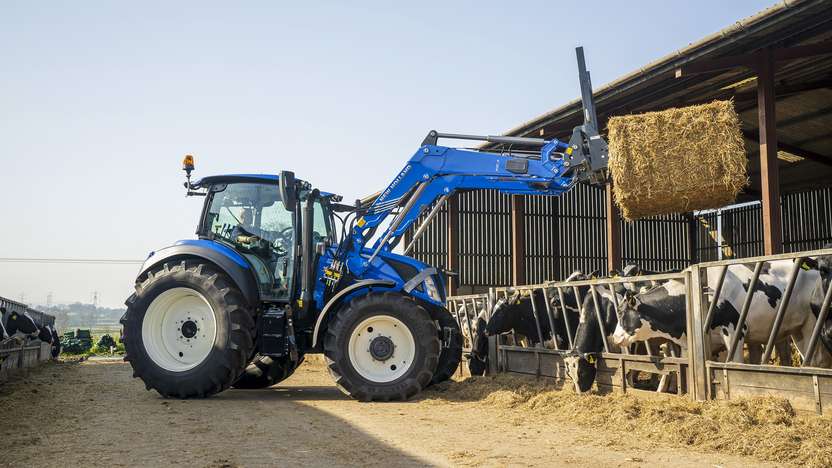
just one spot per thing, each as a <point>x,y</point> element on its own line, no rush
<point>478,359</point>
<point>581,369</point>
<point>629,321</point>
<point>588,339</point>
<point>501,315</point>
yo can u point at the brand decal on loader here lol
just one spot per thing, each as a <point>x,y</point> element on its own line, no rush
<point>394,183</point>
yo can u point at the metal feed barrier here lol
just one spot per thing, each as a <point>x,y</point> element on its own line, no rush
<point>16,355</point>
<point>808,388</point>
<point>698,373</point>
<point>465,310</point>
<point>616,366</point>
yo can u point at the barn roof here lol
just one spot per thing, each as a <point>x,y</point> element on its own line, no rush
<point>803,88</point>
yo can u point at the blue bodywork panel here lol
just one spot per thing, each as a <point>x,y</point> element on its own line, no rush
<point>381,269</point>
<point>226,258</point>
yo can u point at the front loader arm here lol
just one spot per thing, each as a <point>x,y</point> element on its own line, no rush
<point>435,172</point>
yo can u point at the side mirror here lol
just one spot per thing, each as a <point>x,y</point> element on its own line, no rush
<point>287,190</point>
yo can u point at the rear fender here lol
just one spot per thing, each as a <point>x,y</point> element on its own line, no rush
<point>224,258</point>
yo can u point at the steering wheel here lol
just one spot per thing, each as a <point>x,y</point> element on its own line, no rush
<point>284,240</point>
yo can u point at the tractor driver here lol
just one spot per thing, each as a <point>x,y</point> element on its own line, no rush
<point>245,229</point>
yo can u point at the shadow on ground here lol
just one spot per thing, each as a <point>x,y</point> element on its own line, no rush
<point>99,415</point>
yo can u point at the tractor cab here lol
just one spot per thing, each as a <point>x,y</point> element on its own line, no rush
<point>248,213</point>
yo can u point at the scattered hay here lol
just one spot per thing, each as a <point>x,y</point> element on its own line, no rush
<point>763,427</point>
<point>677,160</point>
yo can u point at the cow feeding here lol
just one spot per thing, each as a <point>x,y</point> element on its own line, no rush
<point>677,160</point>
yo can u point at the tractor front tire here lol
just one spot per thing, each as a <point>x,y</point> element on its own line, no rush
<point>188,331</point>
<point>382,347</point>
<point>451,337</point>
<point>265,371</point>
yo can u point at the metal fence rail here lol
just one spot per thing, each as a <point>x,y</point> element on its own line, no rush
<point>615,364</point>
<point>17,354</point>
<point>465,310</point>
<point>701,372</point>
<point>808,387</point>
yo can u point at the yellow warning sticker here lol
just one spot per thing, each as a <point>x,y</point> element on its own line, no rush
<point>361,222</point>
<point>569,151</point>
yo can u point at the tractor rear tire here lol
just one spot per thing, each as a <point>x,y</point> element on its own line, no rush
<point>451,355</point>
<point>265,371</point>
<point>382,347</point>
<point>188,331</point>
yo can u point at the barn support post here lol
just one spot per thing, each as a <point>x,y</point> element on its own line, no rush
<point>693,232</point>
<point>698,338</point>
<point>613,231</point>
<point>769,171</point>
<point>518,240</point>
<point>453,244</point>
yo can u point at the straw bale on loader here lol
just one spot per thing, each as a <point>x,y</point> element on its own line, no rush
<point>677,160</point>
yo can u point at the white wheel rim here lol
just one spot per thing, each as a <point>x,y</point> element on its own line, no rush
<point>377,330</point>
<point>179,329</point>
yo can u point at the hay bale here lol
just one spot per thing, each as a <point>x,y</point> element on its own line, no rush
<point>677,160</point>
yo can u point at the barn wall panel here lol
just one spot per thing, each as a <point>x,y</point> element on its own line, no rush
<point>567,233</point>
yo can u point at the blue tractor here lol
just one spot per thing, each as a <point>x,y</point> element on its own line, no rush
<point>281,269</point>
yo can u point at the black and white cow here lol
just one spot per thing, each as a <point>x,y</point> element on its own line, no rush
<point>567,312</point>
<point>656,313</point>
<point>818,294</point>
<point>634,271</point>
<point>45,334</point>
<point>660,312</point>
<point>3,333</point>
<point>56,343</point>
<point>478,359</point>
<point>589,340</point>
<point>515,313</point>
<point>21,323</point>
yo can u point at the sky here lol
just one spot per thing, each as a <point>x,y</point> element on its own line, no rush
<point>99,101</point>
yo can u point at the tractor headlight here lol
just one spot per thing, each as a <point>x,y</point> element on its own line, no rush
<point>430,287</point>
